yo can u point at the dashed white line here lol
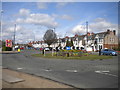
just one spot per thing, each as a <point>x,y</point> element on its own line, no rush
<point>47,70</point>
<point>71,70</point>
<point>19,68</point>
<point>106,73</point>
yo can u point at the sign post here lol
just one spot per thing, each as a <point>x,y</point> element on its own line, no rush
<point>8,43</point>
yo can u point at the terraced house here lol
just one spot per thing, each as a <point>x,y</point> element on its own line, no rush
<point>97,41</point>
<point>90,41</point>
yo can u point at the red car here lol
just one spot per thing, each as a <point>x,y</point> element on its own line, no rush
<point>21,48</point>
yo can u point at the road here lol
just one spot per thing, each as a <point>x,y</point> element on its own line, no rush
<point>77,73</point>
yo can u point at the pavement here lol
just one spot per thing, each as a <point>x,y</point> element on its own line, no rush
<point>15,79</point>
<point>74,73</point>
<point>9,52</point>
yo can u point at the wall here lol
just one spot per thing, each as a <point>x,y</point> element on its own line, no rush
<point>110,41</point>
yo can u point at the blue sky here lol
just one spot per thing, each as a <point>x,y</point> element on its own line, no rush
<point>34,18</point>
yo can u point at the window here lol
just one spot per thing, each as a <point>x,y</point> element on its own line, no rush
<point>111,39</point>
<point>106,50</point>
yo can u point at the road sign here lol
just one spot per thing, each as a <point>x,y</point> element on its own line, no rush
<point>68,48</point>
<point>8,43</point>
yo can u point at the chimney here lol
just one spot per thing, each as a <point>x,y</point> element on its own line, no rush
<point>92,33</point>
<point>76,35</point>
<point>114,32</point>
<point>108,31</point>
<point>88,34</point>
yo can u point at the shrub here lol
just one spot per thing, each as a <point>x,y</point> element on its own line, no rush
<point>6,49</point>
<point>116,48</point>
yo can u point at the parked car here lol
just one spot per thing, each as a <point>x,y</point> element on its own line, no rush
<point>47,49</point>
<point>21,48</point>
<point>108,52</point>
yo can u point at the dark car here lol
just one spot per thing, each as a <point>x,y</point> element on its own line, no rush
<point>108,52</point>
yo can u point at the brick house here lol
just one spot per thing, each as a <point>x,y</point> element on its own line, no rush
<point>111,40</point>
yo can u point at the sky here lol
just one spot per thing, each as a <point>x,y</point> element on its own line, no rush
<point>33,19</point>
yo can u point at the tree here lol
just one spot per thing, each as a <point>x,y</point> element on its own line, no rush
<point>69,43</point>
<point>50,37</point>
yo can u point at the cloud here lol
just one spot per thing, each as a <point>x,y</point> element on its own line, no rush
<point>99,25</point>
<point>66,17</point>
<point>11,29</point>
<point>78,29</point>
<point>61,4</point>
<point>22,34</point>
<point>42,5</point>
<point>38,19</point>
<point>24,12</point>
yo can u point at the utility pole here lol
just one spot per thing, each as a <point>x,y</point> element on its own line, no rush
<point>54,41</point>
<point>14,37</point>
<point>87,31</point>
<point>1,13</point>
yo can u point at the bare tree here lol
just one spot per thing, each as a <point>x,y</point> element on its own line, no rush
<point>50,37</point>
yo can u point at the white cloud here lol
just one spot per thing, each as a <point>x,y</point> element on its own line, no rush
<point>42,5</point>
<point>11,29</point>
<point>39,19</point>
<point>78,29</point>
<point>24,12</point>
<point>66,17</point>
<point>99,25</point>
<point>22,34</point>
<point>61,4</point>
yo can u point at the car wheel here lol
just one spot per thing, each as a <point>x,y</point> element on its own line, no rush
<point>102,53</point>
<point>111,54</point>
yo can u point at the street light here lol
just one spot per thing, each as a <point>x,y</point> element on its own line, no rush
<point>1,12</point>
<point>1,23</point>
<point>14,38</point>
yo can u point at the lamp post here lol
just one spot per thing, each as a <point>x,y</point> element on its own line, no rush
<point>14,38</point>
<point>87,31</point>
<point>1,28</point>
<point>1,23</point>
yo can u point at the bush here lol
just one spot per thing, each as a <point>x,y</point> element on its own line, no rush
<point>70,52</point>
<point>6,49</point>
<point>116,48</point>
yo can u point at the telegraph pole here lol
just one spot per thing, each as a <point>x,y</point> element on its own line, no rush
<point>14,37</point>
<point>87,31</point>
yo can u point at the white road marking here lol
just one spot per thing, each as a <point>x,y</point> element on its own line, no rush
<point>47,70</point>
<point>71,70</point>
<point>101,71</point>
<point>106,73</point>
<point>19,68</point>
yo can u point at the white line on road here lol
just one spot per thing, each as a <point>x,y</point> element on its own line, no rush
<point>19,68</point>
<point>47,70</point>
<point>71,70</point>
<point>101,71</point>
<point>106,73</point>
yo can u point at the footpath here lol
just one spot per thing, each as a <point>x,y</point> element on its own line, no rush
<point>14,79</point>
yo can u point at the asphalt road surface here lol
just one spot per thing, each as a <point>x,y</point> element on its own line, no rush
<point>77,73</point>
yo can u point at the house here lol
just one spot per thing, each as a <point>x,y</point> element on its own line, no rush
<point>102,40</point>
<point>90,41</point>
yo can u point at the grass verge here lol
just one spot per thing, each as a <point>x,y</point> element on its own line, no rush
<point>88,57</point>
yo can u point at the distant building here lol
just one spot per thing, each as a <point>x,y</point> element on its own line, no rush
<point>90,41</point>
